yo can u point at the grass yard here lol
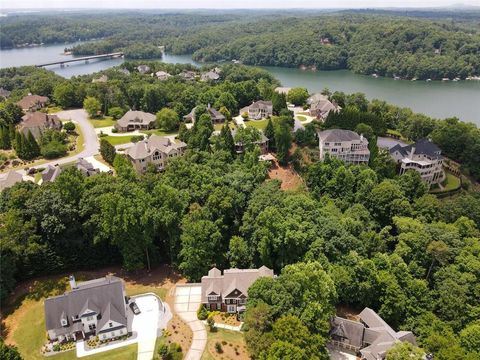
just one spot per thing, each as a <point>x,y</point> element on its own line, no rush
<point>301,118</point>
<point>54,109</point>
<point>104,122</point>
<point>452,182</point>
<point>118,140</point>
<point>258,124</point>
<point>232,345</point>
<point>23,316</point>
<point>158,132</point>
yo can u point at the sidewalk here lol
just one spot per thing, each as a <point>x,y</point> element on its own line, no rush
<point>226,327</point>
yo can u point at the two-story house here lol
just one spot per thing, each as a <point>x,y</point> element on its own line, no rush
<point>423,157</point>
<point>33,102</point>
<point>258,110</point>
<point>135,120</point>
<point>345,145</point>
<point>320,106</point>
<point>216,116</point>
<point>229,291</point>
<point>156,150</point>
<point>91,308</point>
<point>369,337</point>
<point>37,122</point>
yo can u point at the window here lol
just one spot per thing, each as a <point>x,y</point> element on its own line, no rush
<point>326,144</point>
<point>212,297</point>
<point>231,308</point>
<point>110,324</point>
<point>89,318</point>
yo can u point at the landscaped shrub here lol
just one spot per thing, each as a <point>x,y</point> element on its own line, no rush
<point>136,138</point>
<point>163,351</point>
<point>175,352</point>
<point>202,312</point>
<point>56,347</point>
<point>54,149</point>
<point>69,126</point>
<point>218,347</point>
<point>211,323</point>
<point>114,130</point>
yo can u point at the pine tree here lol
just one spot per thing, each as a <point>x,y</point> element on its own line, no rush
<point>5,142</point>
<point>34,149</point>
<point>227,139</point>
<point>108,151</point>
<point>20,145</point>
<point>279,102</point>
<point>270,134</point>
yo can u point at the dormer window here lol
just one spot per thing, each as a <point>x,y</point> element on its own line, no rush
<point>64,322</point>
<point>110,324</point>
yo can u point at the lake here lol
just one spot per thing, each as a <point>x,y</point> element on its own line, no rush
<point>436,99</point>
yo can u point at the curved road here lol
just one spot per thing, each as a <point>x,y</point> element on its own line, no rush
<point>91,143</point>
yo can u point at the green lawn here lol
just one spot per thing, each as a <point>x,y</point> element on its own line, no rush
<point>53,109</point>
<point>158,132</point>
<point>117,140</point>
<point>451,183</point>
<point>301,118</point>
<point>26,321</point>
<point>259,124</point>
<point>106,121</point>
<point>230,340</point>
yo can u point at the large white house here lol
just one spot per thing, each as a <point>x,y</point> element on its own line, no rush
<point>91,308</point>
<point>345,145</point>
<point>424,157</point>
<point>156,150</point>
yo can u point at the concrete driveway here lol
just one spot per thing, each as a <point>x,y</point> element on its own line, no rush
<point>187,301</point>
<point>154,316</point>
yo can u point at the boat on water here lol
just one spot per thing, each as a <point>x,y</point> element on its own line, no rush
<point>428,80</point>
<point>375,75</point>
<point>396,77</point>
<point>414,79</point>
<point>445,79</point>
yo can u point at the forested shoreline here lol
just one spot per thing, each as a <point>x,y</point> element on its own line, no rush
<point>385,45</point>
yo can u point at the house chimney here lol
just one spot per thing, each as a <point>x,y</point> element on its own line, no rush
<point>73,283</point>
<point>361,137</point>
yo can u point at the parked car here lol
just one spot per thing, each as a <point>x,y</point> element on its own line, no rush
<point>135,308</point>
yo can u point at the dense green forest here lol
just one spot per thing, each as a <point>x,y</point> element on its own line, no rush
<point>352,235</point>
<point>387,45</point>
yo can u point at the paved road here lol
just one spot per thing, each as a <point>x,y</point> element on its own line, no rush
<point>187,301</point>
<point>92,144</point>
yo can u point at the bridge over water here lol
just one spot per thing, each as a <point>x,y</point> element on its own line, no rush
<point>85,58</point>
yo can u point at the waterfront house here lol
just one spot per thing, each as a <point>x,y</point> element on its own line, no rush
<point>91,308</point>
<point>33,102</point>
<point>162,75</point>
<point>188,75</point>
<point>37,122</point>
<point>143,69</point>
<point>423,157</point>
<point>258,110</point>
<point>101,79</point>
<point>210,76</point>
<point>135,120</point>
<point>156,150</point>
<point>370,337</point>
<point>229,291</point>
<point>217,116</point>
<point>345,145</point>
<point>320,106</point>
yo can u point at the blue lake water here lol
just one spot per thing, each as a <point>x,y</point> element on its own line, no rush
<point>437,99</point>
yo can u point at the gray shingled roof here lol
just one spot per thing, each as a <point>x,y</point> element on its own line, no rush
<point>104,295</point>
<point>231,280</point>
<point>423,146</point>
<point>338,135</point>
<point>136,117</point>
<point>32,100</point>
<point>51,173</point>
<point>372,330</point>
<point>148,146</point>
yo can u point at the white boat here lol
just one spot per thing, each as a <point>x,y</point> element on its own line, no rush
<point>414,79</point>
<point>428,80</point>
<point>375,75</point>
<point>445,79</point>
<point>456,79</point>
<point>396,77</point>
